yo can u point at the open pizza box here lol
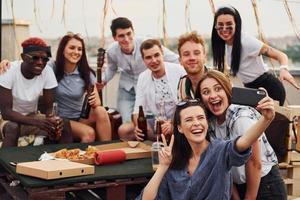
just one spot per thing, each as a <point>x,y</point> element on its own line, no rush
<point>54,169</point>
<point>132,149</point>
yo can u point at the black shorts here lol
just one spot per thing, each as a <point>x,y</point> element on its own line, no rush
<point>272,84</point>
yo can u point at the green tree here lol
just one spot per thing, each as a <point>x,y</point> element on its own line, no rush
<point>293,52</point>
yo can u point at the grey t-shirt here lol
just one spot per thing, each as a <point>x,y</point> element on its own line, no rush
<point>69,94</point>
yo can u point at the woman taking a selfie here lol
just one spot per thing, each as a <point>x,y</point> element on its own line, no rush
<point>243,54</point>
<point>259,178</point>
<point>194,168</point>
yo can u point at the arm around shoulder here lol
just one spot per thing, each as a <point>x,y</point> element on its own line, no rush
<point>4,65</point>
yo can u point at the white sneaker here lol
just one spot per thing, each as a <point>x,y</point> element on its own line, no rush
<point>39,140</point>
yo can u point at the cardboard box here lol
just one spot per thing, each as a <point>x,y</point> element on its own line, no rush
<point>54,169</point>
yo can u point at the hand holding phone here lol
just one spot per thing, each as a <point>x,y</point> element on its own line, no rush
<point>247,96</point>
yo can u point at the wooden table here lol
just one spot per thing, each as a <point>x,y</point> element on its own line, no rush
<point>114,178</point>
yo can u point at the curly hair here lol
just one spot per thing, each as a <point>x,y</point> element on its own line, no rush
<point>34,41</point>
<point>192,36</point>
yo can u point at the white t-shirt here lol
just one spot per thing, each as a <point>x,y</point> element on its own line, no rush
<point>26,92</point>
<point>240,126</point>
<point>251,64</point>
<point>145,92</point>
<point>163,93</point>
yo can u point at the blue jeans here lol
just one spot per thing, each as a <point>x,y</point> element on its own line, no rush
<point>125,103</point>
<point>271,187</point>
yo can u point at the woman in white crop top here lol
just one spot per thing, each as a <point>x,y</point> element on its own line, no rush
<point>244,55</point>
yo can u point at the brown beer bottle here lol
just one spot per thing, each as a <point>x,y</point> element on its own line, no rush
<point>86,107</point>
<point>142,122</point>
<point>158,130</point>
<point>55,134</point>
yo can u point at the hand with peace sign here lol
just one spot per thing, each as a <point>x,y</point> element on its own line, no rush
<point>165,158</point>
<point>165,155</point>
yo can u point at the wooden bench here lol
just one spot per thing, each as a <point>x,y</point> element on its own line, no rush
<point>290,168</point>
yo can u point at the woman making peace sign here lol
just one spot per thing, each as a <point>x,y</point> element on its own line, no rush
<point>196,168</point>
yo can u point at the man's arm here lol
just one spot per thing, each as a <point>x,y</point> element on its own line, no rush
<point>7,111</point>
<point>139,101</point>
<point>110,69</point>
<point>48,99</point>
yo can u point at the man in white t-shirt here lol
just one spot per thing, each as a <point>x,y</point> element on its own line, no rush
<point>20,88</point>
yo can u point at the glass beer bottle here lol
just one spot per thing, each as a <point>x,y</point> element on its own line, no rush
<point>142,122</point>
<point>57,133</point>
<point>161,119</point>
<point>86,107</point>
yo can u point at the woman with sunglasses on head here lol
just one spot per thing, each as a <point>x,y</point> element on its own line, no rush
<point>244,55</point>
<point>193,167</point>
<point>259,178</point>
<point>74,76</point>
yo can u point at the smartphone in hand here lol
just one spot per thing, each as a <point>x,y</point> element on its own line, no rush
<point>247,96</point>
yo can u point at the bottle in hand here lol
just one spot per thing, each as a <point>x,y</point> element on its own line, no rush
<point>142,122</point>
<point>86,107</point>
<point>57,132</point>
<point>160,120</point>
<point>158,130</point>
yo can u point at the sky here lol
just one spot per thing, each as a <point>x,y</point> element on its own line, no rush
<point>85,16</point>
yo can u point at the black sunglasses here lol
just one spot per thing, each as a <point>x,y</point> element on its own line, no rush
<point>188,101</point>
<point>35,58</point>
<point>222,28</point>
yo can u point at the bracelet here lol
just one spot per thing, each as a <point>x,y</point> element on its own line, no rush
<point>283,67</point>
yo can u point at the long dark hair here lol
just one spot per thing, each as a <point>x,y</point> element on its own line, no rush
<point>83,65</point>
<point>182,151</point>
<point>218,44</point>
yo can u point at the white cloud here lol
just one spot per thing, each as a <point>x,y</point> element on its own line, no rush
<point>146,16</point>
